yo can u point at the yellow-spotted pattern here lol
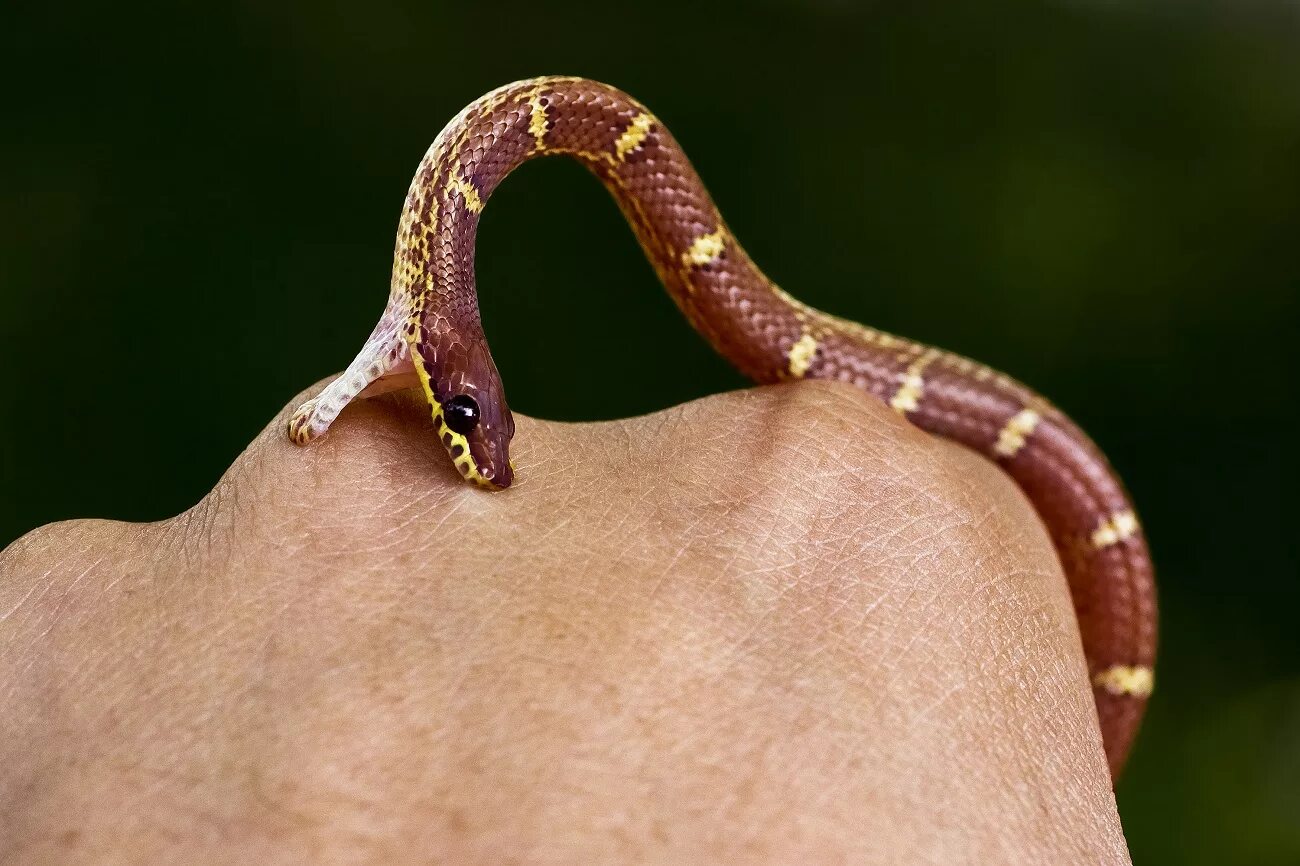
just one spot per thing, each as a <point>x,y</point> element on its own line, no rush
<point>801,355</point>
<point>1014,433</point>
<point>1131,680</point>
<point>468,194</point>
<point>908,396</point>
<point>538,125</point>
<point>1118,527</point>
<point>634,136</point>
<point>705,249</point>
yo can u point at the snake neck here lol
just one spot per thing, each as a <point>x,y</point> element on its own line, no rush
<point>764,332</point>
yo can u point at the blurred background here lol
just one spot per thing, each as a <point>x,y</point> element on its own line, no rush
<point>197,207</point>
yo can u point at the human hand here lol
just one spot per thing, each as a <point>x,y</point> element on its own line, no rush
<point>778,625</point>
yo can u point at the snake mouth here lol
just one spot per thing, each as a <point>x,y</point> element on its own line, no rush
<point>496,479</point>
<point>485,461</point>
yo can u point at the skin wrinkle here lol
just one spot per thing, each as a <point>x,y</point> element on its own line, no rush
<point>42,583</point>
<point>52,617</point>
<point>679,633</point>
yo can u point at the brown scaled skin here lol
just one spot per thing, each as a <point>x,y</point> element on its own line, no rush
<point>741,644</point>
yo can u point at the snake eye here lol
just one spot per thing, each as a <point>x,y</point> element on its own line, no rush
<point>461,413</point>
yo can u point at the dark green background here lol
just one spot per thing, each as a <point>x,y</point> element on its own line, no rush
<point>197,206</point>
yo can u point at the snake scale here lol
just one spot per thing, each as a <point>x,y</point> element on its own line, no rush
<point>430,331</point>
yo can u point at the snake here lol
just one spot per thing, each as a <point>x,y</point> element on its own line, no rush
<point>430,336</point>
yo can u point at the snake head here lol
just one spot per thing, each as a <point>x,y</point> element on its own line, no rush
<point>470,412</point>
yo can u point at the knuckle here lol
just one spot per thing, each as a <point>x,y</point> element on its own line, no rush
<point>52,568</point>
<point>980,491</point>
<point>850,500</point>
<point>835,438</point>
<point>41,546</point>
<point>778,452</point>
<point>866,448</point>
<point>815,447</point>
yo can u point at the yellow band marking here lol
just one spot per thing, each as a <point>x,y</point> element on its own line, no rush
<point>537,122</point>
<point>801,355</point>
<point>450,438</point>
<point>468,193</point>
<point>1017,430</point>
<point>705,249</point>
<point>1135,680</point>
<point>908,395</point>
<point>634,136</point>
<point>1116,528</point>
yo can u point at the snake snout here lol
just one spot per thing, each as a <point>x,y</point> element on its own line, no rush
<point>492,455</point>
<point>498,478</point>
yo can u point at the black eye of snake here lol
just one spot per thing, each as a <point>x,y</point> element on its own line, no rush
<point>461,413</point>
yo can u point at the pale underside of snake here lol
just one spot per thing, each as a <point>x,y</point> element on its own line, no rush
<point>430,332</point>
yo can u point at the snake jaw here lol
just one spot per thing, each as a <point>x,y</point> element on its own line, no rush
<point>490,455</point>
<point>499,481</point>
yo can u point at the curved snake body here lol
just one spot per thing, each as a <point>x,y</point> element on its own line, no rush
<point>431,329</point>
